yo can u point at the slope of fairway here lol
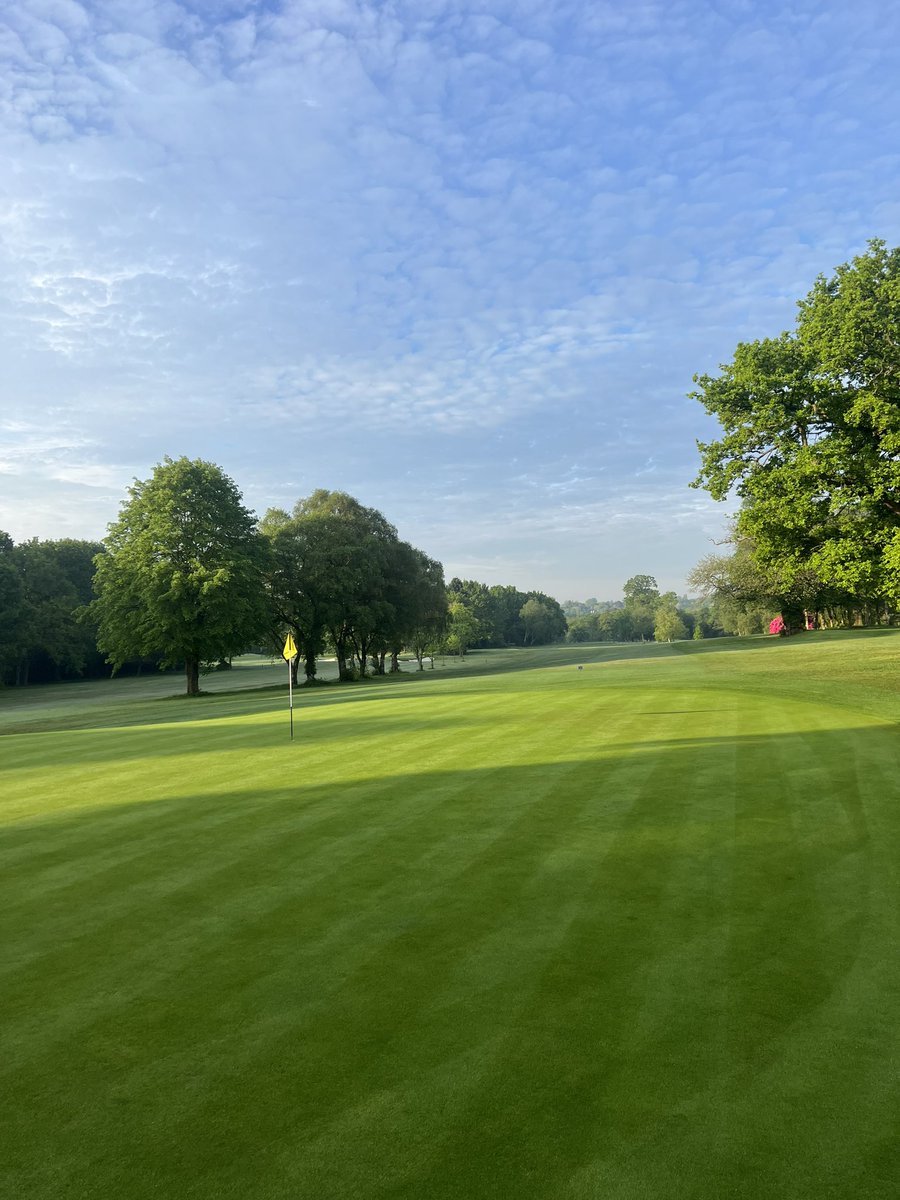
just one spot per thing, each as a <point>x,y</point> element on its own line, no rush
<point>504,929</point>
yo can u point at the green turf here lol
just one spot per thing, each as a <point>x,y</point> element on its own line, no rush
<point>503,929</point>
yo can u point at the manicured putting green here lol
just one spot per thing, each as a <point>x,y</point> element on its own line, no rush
<point>629,931</point>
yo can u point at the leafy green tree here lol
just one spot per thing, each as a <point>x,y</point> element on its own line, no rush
<point>308,568</point>
<point>747,593</point>
<point>427,610</point>
<point>47,582</point>
<point>339,571</point>
<point>811,432</point>
<point>641,597</point>
<point>668,625</point>
<point>183,573</point>
<point>11,608</point>
<point>505,609</point>
<point>640,590</point>
<point>480,606</point>
<point>417,607</point>
<point>610,625</point>
<point>543,620</point>
<point>536,617</point>
<point>584,628</point>
<point>463,628</point>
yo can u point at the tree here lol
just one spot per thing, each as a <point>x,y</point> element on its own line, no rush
<point>57,577</point>
<point>463,628</point>
<point>640,590</point>
<point>305,566</point>
<point>668,625</point>
<point>641,597</point>
<point>338,570</point>
<point>481,608</point>
<point>536,617</point>
<point>44,584</point>
<point>356,567</point>
<point>507,628</point>
<point>183,573</point>
<point>811,441</point>
<point>543,620</point>
<point>11,633</point>
<point>584,628</point>
<point>427,612</point>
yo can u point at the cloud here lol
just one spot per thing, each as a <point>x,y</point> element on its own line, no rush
<point>441,233</point>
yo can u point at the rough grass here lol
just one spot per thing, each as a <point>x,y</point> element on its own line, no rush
<point>504,929</point>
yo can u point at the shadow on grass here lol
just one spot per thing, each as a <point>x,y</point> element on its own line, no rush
<point>498,969</point>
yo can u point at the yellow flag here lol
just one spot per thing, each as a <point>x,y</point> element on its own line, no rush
<point>290,648</point>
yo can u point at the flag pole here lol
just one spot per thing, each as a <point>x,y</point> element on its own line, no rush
<point>289,653</point>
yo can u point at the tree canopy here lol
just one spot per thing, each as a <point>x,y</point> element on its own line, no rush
<point>340,575</point>
<point>811,433</point>
<point>502,615</point>
<point>183,572</point>
<point>43,584</point>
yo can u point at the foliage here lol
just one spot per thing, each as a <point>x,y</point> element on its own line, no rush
<point>668,625</point>
<point>463,628</point>
<point>11,616</point>
<point>747,591</point>
<point>540,622</point>
<point>425,614</point>
<point>340,574</point>
<point>811,439</point>
<point>640,590</point>
<point>501,616</point>
<point>182,576</point>
<point>43,584</point>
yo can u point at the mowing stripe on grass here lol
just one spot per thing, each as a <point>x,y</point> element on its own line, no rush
<point>623,932</point>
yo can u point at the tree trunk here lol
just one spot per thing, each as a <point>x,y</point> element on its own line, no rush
<point>295,666</point>
<point>310,666</point>
<point>395,661</point>
<point>345,674</point>
<point>192,676</point>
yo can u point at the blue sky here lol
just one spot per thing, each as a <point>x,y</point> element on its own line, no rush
<point>458,259</point>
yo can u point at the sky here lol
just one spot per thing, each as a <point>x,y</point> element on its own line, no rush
<point>458,259</point>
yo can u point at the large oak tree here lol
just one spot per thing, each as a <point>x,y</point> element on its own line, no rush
<point>811,432</point>
<point>182,576</point>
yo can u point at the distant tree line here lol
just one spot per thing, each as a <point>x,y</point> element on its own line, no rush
<point>480,617</point>
<point>644,615</point>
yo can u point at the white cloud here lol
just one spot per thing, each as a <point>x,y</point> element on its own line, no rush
<point>403,232</point>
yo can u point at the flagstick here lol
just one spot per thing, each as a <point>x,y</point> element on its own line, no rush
<point>291,694</point>
<point>289,653</point>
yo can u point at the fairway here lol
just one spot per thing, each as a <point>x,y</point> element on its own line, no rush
<point>502,929</point>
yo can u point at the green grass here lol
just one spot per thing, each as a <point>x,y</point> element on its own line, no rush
<point>504,929</point>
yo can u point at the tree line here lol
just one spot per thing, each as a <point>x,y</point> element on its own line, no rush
<point>810,447</point>
<point>188,577</point>
<point>43,585</point>
<point>480,617</point>
<point>645,615</point>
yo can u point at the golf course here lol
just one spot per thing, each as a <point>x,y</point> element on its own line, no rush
<point>597,921</point>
